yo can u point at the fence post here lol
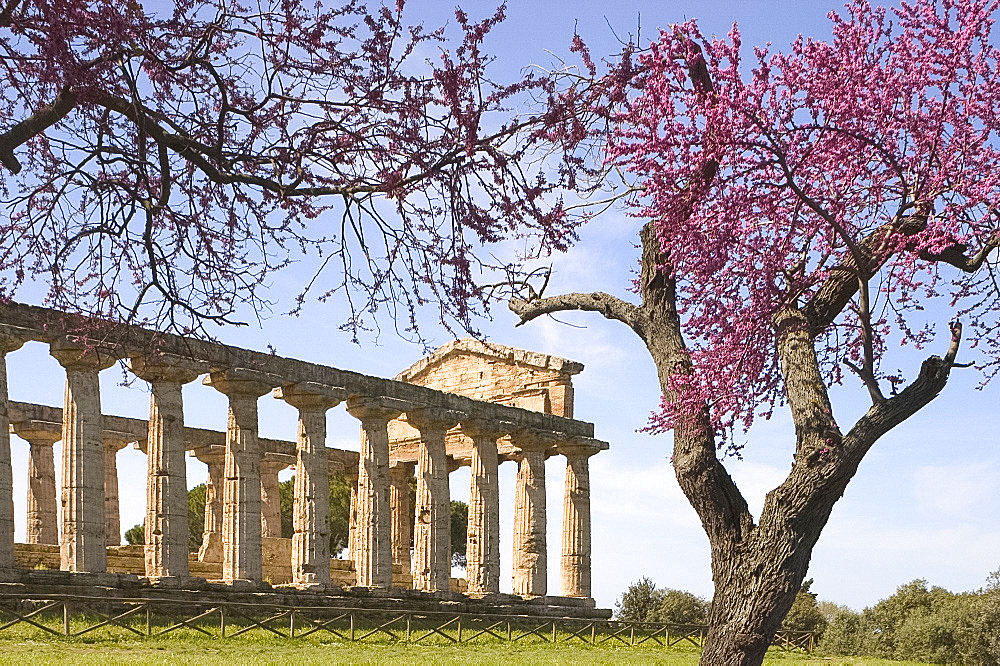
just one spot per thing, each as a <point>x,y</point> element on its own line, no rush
<point>149,620</point>
<point>459,628</point>
<point>291,624</point>
<point>352,626</point>
<point>222,621</point>
<point>66,618</point>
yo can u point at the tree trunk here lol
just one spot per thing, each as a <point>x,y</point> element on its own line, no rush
<point>758,566</point>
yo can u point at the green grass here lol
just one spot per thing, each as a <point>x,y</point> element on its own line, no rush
<point>190,650</point>
<point>110,646</point>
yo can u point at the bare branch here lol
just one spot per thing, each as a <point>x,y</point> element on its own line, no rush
<point>611,307</point>
<point>32,126</point>
<point>837,290</point>
<point>881,418</point>
<point>955,255</point>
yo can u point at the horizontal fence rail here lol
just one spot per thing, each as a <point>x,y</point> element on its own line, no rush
<point>69,615</point>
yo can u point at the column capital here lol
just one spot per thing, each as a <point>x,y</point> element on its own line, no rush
<point>486,427</point>
<point>276,460</point>
<point>116,440</point>
<point>38,432</point>
<point>380,408</point>
<point>581,447</point>
<point>527,440</point>
<point>434,418</point>
<point>73,354</point>
<point>242,382</point>
<point>13,337</point>
<point>210,455</point>
<point>311,395</point>
<point>9,343</point>
<point>166,368</point>
<point>402,466</point>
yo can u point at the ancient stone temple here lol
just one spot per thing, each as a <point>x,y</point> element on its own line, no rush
<point>469,404</point>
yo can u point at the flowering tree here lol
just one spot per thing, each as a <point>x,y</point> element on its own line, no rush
<point>800,210</point>
<point>157,169</point>
<point>803,209</point>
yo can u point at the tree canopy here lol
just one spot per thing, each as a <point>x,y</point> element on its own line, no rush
<point>842,179</point>
<point>158,169</point>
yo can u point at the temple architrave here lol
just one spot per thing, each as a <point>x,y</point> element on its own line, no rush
<point>468,404</point>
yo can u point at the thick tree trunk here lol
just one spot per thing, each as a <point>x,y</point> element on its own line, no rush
<point>758,566</point>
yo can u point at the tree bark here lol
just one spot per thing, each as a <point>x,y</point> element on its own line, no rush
<point>758,568</point>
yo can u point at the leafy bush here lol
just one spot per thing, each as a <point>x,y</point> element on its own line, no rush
<point>919,623</point>
<point>805,614</point>
<point>643,602</point>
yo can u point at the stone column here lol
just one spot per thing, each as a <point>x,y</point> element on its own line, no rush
<point>43,526</point>
<point>402,512</point>
<point>82,547</point>
<point>575,561</point>
<point>530,549</point>
<point>432,527</point>
<point>373,538</point>
<point>166,525</point>
<point>311,511</point>
<point>352,529</point>
<point>211,536</point>
<point>241,511</point>
<point>7,344</point>
<point>113,443</point>
<point>482,549</point>
<point>270,500</point>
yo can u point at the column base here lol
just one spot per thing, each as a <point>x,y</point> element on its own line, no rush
<point>244,585</point>
<point>177,582</point>
<point>211,549</point>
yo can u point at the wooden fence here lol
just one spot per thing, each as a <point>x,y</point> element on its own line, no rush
<point>69,615</point>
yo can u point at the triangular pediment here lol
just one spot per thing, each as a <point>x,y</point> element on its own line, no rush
<point>488,353</point>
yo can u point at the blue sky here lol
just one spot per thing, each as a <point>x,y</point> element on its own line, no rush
<point>921,506</point>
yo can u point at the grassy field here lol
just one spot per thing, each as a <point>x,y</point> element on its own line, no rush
<point>21,643</point>
<point>182,650</point>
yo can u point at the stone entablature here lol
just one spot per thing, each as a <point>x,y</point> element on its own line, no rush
<point>28,322</point>
<point>241,525</point>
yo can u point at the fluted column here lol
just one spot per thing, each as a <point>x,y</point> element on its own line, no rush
<point>432,526</point>
<point>82,546</point>
<point>352,528</point>
<point>7,344</point>
<point>113,443</point>
<point>211,536</point>
<point>373,531</point>
<point>166,525</point>
<point>402,512</point>
<point>43,526</point>
<point>270,500</point>
<point>241,509</point>
<point>311,511</point>
<point>482,549</point>
<point>530,548</point>
<point>575,561</point>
